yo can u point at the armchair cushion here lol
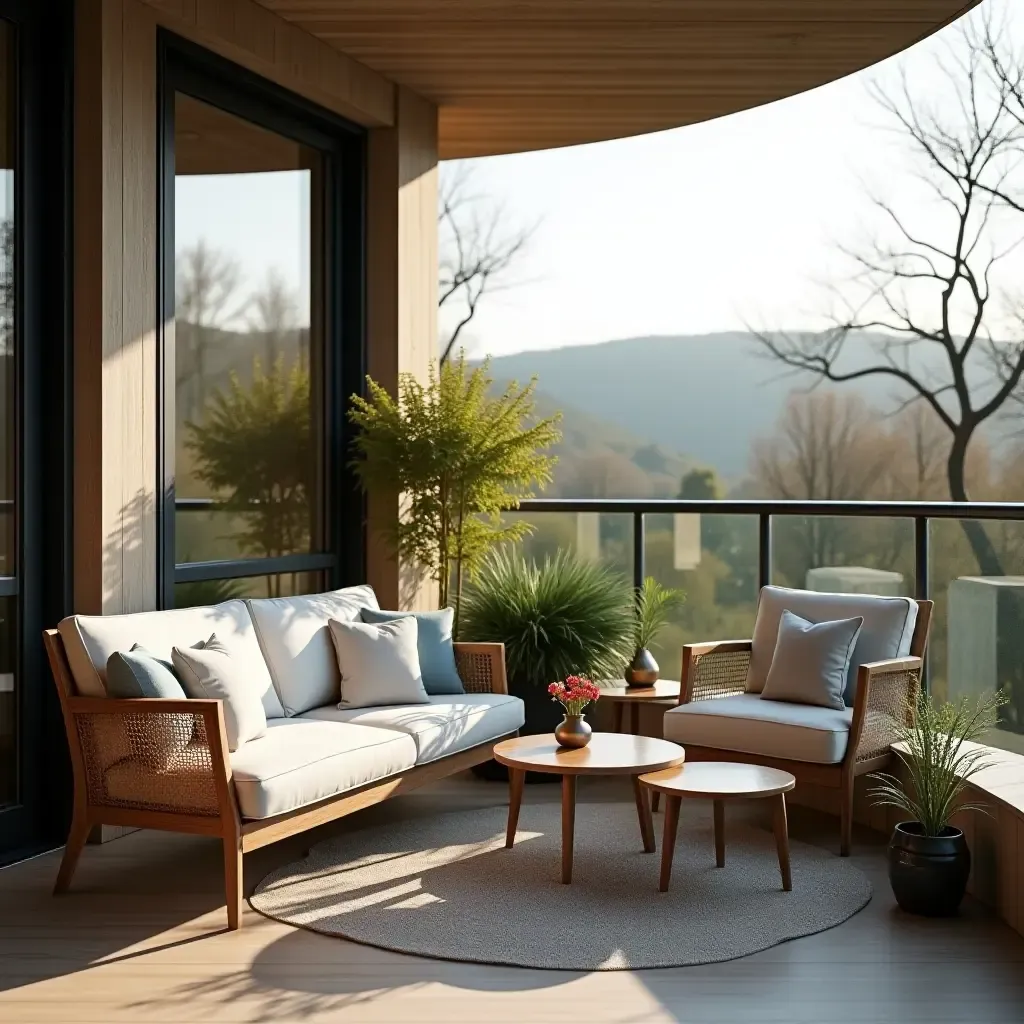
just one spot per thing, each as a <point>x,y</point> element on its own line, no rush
<point>811,661</point>
<point>887,631</point>
<point>768,728</point>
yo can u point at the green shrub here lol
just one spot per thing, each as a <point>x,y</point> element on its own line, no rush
<point>555,618</point>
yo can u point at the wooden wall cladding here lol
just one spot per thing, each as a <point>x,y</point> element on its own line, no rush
<point>515,75</point>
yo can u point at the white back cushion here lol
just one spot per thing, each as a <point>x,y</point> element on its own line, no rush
<point>90,640</point>
<point>297,643</point>
<point>887,631</point>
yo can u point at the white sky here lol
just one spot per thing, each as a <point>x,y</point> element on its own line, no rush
<point>688,231</point>
<point>701,228</point>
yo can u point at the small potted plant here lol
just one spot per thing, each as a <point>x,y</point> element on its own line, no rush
<point>654,606</point>
<point>574,695</point>
<point>929,860</point>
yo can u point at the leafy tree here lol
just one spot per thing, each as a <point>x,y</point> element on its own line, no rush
<point>700,485</point>
<point>459,458</point>
<point>254,446</point>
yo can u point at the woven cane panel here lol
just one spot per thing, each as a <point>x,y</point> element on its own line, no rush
<point>168,765</point>
<point>889,703</point>
<point>475,671</point>
<point>719,675</point>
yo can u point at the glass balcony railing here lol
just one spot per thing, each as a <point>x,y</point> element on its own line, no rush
<point>722,552</point>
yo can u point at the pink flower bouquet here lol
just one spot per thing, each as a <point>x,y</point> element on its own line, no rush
<point>574,694</point>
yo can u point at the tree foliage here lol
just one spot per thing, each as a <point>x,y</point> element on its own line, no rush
<point>458,456</point>
<point>254,447</point>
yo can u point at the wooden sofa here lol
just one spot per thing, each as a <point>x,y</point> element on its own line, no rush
<point>884,697</point>
<point>197,794</point>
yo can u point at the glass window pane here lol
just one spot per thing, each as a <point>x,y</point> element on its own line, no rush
<point>248,338</point>
<point>713,560</point>
<point>977,640</point>
<point>288,584</point>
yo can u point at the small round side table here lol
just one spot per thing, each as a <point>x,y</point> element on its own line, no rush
<point>624,697</point>
<point>719,781</point>
<point>607,753</point>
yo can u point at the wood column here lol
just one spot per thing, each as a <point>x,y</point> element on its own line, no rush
<point>401,300</point>
<point>115,551</point>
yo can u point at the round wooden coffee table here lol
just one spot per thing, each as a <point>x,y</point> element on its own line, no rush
<point>720,781</point>
<point>624,697</point>
<point>606,754</point>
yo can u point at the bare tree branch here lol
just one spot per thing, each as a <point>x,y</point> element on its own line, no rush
<point>478,249</point>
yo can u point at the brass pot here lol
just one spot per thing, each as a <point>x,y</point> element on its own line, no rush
<point>573,731</point>
<point>642,670</point>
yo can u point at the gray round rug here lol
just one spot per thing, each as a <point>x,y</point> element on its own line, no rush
<point>446,887</point>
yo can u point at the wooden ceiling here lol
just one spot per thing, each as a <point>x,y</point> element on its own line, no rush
<point>515,75</point>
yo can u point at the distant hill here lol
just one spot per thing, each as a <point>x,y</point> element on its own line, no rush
<point>704,396</point>
<point>599,458</point>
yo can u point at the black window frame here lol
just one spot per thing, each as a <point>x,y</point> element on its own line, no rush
<point>41,583</point>
<point>186,68</point>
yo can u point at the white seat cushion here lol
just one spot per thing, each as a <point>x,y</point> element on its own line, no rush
<point>445,726</point>
<point>887,631</point>
<point>297,643</point>
<point>298,761</point>
<point>91,639</point>
<point>772,728</point>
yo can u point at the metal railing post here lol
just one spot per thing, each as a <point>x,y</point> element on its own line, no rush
<point>921,558</point>
<point>764,550</point>
<point>639,551</point>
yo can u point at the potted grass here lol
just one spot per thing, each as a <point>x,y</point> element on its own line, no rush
<point>929,859</point>
<point>654,607</point>
<point>557,618</point>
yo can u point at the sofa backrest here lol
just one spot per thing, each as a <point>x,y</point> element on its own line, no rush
<point>887,631</point>
<point>297,644</point>
<point>90,640</point>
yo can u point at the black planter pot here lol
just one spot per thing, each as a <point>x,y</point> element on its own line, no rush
<point>542,715</point>
<point>928,874</point>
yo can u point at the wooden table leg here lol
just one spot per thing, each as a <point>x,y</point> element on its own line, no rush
<point>720,833</point>
<point>782,842</point>
<point>655,801</point>
<point>516,778</point>
<point>568,824</point>
<point>619,708</point>
<point>668,843</point>
<point>634,718</point>
<point>643,810</point>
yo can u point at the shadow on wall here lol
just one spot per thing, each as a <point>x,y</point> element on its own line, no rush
<point>130,558</point>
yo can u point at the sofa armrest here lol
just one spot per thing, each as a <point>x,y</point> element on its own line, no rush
<point>886,695</point>
<point>150,754</point>
<point>481,667</point>
<point>714,669</point>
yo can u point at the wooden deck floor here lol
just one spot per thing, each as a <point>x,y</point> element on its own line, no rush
<point>140,938</point>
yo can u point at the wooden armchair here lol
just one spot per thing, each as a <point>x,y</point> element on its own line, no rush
<point>885,694</point>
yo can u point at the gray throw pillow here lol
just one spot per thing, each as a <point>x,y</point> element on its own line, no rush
<point>811,661</point>
<point>208,671</point>
<point>379,663</point>
<point>137,673</point>
<point>434,645</point>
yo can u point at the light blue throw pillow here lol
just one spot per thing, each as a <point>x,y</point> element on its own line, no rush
<point>434,645</point>
<point>137,673</point>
